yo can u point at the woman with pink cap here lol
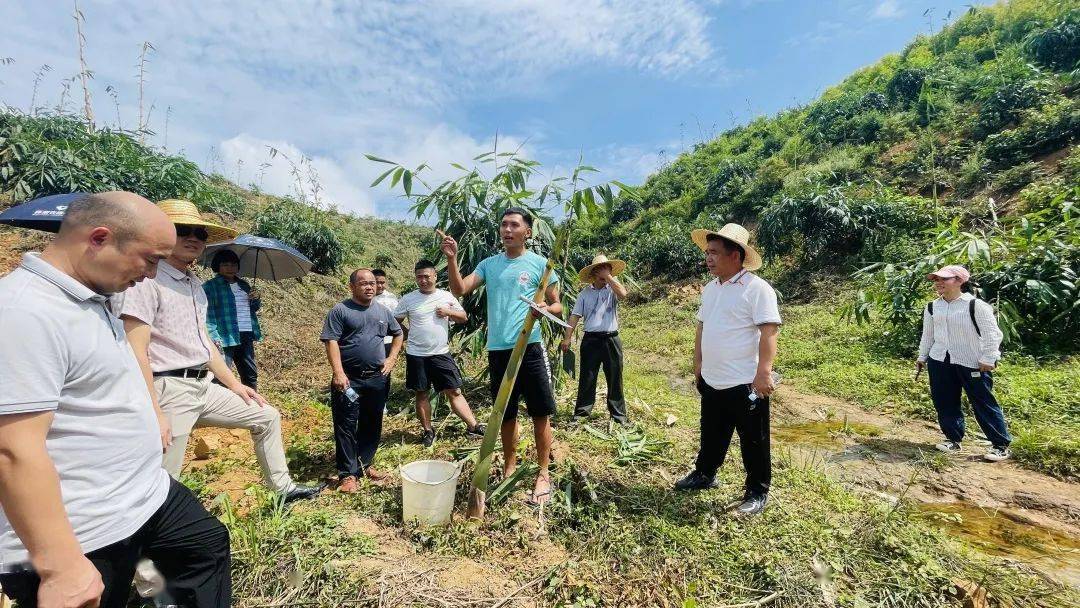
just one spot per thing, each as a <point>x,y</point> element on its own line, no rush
<point>960,348</point>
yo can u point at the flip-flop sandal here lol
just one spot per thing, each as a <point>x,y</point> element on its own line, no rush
<point>534,498</point>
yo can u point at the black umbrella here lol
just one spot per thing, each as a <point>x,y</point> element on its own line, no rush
<point>263,258</point>
<point>43,213</point>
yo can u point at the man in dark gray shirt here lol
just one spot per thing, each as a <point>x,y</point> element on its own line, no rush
<point>598,304</point>
<point>353,334</point>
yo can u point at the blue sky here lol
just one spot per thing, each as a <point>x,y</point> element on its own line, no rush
<point>624,83</point>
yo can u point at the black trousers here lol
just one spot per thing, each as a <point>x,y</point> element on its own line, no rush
<point>601,351</point>
<point>728,411</point>
<point>243,355</point>
<point>358,426</point>
<point>189,546</point>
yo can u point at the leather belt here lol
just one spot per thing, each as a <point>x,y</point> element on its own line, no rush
<point>198,373</point>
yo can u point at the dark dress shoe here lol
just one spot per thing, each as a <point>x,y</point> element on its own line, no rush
<point>301,492</point>
<point>696,480</point>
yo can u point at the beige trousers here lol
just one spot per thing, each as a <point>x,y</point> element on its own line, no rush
<point>191,403</point>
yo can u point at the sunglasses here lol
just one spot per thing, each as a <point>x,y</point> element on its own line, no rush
<point>197,232</point>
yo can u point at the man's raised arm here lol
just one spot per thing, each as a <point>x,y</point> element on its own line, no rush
<point>459,286</point>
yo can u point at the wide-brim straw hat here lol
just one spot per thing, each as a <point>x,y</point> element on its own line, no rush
<point>736,234</point>
<point>617,267</point>
<point>185,213</point>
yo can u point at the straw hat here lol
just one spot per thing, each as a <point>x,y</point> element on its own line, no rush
<point>736,234</point>
<point>617,267</point>
<point>185,213</point>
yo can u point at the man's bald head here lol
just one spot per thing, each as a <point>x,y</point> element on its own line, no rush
<point>112,240</point>
<point>125,214</point>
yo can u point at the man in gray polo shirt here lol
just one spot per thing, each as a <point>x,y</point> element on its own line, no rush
<point>81,484</point>
<point>598,305</point>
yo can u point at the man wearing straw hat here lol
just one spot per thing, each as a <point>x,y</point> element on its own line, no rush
<point>598,304</point>
<point>737,327</point>
<point>165,321</point>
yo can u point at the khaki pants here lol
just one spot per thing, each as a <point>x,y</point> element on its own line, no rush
<point>193,403</point>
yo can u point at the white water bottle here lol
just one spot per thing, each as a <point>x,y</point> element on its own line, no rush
<point>753,397</point>
<point>148,581</point>
<point>352,395</point>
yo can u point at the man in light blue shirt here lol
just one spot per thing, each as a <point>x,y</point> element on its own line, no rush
<point>514,272</point>
<point>598,304</point>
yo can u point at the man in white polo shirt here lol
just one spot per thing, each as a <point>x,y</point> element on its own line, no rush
<point>737,327</point>
<point>81,484</point>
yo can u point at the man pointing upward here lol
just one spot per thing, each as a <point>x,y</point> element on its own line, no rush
<point>510,274</point>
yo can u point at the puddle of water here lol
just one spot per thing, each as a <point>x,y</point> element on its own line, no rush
<point>998,533</point>
<point>823,433</point>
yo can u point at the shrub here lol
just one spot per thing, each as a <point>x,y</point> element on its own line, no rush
<point>833,225</point>
<point>305,228</point>
<point>905,87</point>
<point>1026,266</point>
<point>44,155</point>
<point>664,249</point>
<point>1044,130</point>
<point>1005,105</point>
<point>1015,178</point>
<point>1057,47</point>
<point>848,119</point>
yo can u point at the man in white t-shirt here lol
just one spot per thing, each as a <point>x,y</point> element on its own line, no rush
<point>386,298</point>
<point>737,327</point>
<point>429,312</point>
<point>81,484</point>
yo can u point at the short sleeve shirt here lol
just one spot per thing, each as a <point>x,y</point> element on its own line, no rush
<point>507,279</point>
<point>64,352</point>
<point>428,334</point>
<point>598,308</point>
<point>730,314</point>
<point>390,301</point>
<point>173,304</point>
<point>359,331</point>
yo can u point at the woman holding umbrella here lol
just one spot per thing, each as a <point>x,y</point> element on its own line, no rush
<point>231,315</point>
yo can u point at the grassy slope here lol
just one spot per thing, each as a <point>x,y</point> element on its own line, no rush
<point>636,543</point>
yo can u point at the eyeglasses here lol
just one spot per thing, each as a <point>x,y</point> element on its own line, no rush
<point>197,232</point>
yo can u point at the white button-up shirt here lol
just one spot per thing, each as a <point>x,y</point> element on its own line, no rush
<point>950,331</point>
<point>730,337</point>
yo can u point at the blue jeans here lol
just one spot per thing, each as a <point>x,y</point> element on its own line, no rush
<point>947,379</point>
<point>243,356</point>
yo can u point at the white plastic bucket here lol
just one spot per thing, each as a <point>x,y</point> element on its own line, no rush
<point>427,491</point>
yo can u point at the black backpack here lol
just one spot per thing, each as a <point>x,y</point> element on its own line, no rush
<point>971,313</point>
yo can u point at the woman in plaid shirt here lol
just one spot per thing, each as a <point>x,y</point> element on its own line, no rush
<point>231,318</point>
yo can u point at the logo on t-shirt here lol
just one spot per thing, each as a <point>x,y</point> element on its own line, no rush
<point>523,278</point>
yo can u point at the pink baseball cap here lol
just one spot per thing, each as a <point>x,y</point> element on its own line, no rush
<point>952,270</point>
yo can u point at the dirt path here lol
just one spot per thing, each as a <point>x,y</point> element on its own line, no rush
<point>1002,508</point>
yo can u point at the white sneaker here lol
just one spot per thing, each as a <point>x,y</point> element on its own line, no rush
<point>949,447</point>
<point>996,454</point>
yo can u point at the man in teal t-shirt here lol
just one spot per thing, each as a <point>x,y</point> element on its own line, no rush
<point>510,274</point>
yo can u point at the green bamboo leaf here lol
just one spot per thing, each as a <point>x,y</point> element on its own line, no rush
<point>379,179</point>
<point>369,157</point>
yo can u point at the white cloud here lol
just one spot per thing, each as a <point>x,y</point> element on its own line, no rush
<point>887,9</point>
<point>337,79</point>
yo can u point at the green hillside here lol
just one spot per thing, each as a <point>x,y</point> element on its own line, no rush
<point>965,137</point>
